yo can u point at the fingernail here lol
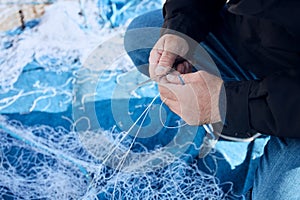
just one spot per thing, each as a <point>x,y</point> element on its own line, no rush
<point>186,64</point>
<point>172,78</point>
<point>160,70</point>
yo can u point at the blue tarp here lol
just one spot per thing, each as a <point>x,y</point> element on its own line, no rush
<point>231,162</point>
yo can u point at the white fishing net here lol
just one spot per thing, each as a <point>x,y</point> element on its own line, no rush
<point>14,55</point>
<point>63,37</point>
<point>42,161</point>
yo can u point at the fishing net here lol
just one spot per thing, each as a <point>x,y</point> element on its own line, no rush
<point>42,162</point>
<point>48,153</point>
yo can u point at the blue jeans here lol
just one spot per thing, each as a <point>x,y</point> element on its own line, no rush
<point>276,174</point>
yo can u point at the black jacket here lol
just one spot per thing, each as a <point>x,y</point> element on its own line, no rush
<point>267,38</point>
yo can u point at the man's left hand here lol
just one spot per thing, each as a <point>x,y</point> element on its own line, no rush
<point>197,101</point>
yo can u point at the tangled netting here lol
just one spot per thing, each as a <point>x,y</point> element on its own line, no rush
<point>49,41</point>
<point>39,66</point>
<point>41,162</point>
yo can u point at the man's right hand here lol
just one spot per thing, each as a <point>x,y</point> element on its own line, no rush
<point>164,54</point>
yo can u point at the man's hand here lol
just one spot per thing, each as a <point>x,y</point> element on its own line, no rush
<point>164,54</point>
<point>196,102</point>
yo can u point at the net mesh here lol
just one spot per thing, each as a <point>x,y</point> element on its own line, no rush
<point>40,161</point>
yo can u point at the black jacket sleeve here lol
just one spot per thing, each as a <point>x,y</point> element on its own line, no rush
<point>193,18</point>
<point>269,106</point>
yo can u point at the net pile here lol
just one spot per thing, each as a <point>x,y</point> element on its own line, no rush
<point>41,162</point>
<point>49,40</point>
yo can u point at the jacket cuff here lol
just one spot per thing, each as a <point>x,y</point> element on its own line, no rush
<point>237,110</point>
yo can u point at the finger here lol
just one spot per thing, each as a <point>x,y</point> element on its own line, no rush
<point>184,78</point>
<point>167,92</point>
<point>184,67</point>
<point>188,67</point>
<point>189,117</point>
<point>181,68</point>
<point>165,63</point>
<point>173,105</point>
<point>154,57</point>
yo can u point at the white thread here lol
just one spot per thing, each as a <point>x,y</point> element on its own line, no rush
<point>161,121</point>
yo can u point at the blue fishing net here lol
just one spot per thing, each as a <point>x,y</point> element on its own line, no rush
<point>66,131</point>
<point>117,12</point>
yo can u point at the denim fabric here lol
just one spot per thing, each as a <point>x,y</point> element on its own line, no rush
<point>278,173</point>
<point>268,166</point>
<point>135,42</point>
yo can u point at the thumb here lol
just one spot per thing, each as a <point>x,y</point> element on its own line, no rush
<point>183,78</point>
<point>165,63</point>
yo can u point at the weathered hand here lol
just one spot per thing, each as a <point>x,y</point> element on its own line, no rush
<point>196,102</point>
<point>164,54</point>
